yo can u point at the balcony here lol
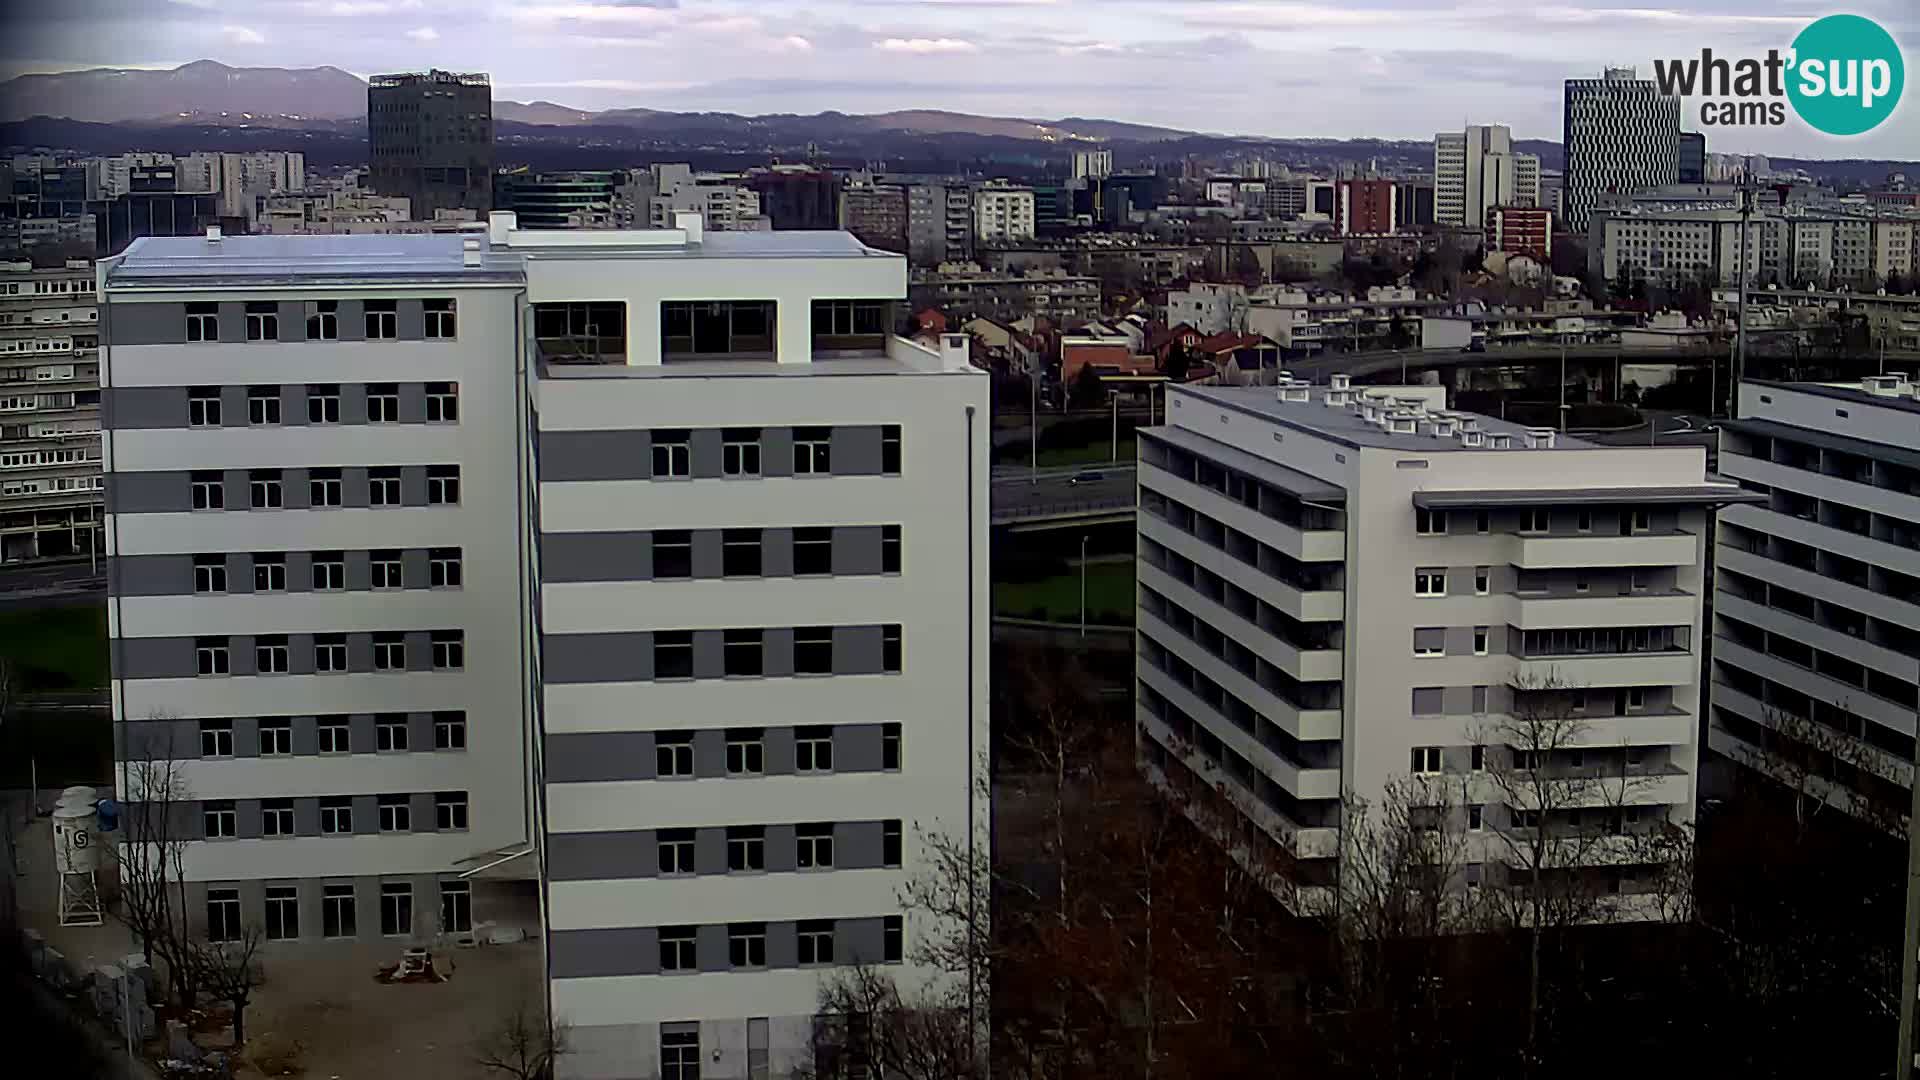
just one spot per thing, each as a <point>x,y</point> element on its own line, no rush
<point>1633,609</point>
<point>1300,781</point>
<point>1639,549</point>
<point>580,333</point>
<point>1305,724</point>
<point>1306,545</point>
<point>1307,605</point>
<point>1304,664</point>
<point>1672,667</point>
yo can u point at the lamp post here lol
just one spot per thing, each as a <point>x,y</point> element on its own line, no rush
<point>1115,395</point>
<point>1033,422</point>
<point>1083,584</point>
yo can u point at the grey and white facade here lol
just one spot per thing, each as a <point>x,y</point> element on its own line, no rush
<point>49,412</point>
<point>1816,599</point>
<point>722,598</point>
<point>1621,135</point>
<point>1476,170</point>
<point>1339,590</point>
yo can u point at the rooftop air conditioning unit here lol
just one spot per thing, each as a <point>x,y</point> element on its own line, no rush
<point>1402,423</point>
<point>1539,438</point>
<point>1443,428</point>
<point>1297,391</point>
<point>1884,385</point>
<point>1472,438</point>
<point>1340,382</point>
<point>1413,404</point>
<point>1499,440</point>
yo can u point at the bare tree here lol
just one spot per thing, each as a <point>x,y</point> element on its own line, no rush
<point>522,1044</point>
<point>865,1026</point>
<point>150,857</point>
<point>230,971</point>
<point>1820,766</point>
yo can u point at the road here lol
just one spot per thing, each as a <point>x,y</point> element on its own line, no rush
<point>1055,493</point>
<point>33,585</point>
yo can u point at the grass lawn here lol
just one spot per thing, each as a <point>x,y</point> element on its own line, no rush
<point>1100,453</point>
<point>56,648</point>
<point>1110,596</point>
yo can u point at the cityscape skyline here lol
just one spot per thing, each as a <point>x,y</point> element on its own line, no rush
<point>1409,67</point>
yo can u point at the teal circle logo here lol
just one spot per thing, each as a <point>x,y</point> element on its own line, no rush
<point>1847,74</point>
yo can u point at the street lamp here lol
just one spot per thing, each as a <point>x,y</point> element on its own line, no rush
<point>1083,584</point>
<point>1115,396</point>
<point>1033,423</point>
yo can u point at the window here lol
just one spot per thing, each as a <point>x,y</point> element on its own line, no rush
<point>1639,521</point>
<point>450,811</point>
<point>743,652</point>
<point>891,843</point>
<point>890,747</point>
<point>209,492</point>
<point>672,554</point>
<point>813,650</point>
<point>746,752</point>
<point>449,731</point>
<point>812,450</point>
<point>1636,697</point>
<point>1525,819</point>
<point>263,405</point>
<point>210,656</point>
<point>1429,582</point>
<point>269,573</point>
<point>1583,521</point>
<point>323,403</point>
<point>676,851</point>
<point>276,817</point>
<point>203,322</point>
<point>219,818</point>
<point>1429,522</point>
<point>816,941</point>
<point>209,573</point>
<point>673,654</point>
<point>383,403</point>
<point>893,939</point>
<point>890,449</point>
<point>740,452</point>
<point>443,485</point>
<point>271,655</point>
<point>1577,701</point>
<point>746,848</point>
<point>336,911</point>
<point>336,816</point>
<point>1482,580</point>
<point>324,488</point>
<point>747,945</point>
<point>1528,760</point>
<point>449,650</point>
<point>329,571</point>
<point>1581,584</point>
<point>740,552</point>
<point>440,321</point>
<point>813,551</point>
<point>443,402</point>
<point>443,568</point>
<point>1479,641</point>
<point>815,847</point>
<point>389,651</point>
<point>382,319</point>
<point>456,907</point>
<point>680,1054</point>
<point>203,406</point>
<point>1479,758</point>
<point>334,735</point>
<point>384,569</point>
<point>890,648</point>
<point>263,489</point>
<point>223,915</point>
<point>889,549</point>
<point>1429,641</point>
<point>1426,760</point>
<point>1475,817</point>
<point>396,908</point>
<point>276,736</point>
<point>1482,522</point>
<point>813,749</point>
<point>673,754</point>
<point>390,732</point>
<point>1535,521</point>
<point>671,454</point>
<point>323,324</point>
<point>396,813</point>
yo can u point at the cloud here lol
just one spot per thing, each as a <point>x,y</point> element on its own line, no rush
<point>629,15</point>
<point>242,35</point>
<point>354,9</point>
<point>424,33</point>
<point>203,5</point>
<point>926,45</point>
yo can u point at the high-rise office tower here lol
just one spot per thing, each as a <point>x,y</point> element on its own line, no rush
<point>545,559</point>
<point>431,139</point>
<point>1477,170</point>
<point>1621,135</point>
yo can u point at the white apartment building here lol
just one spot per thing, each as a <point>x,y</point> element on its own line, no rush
<point>1092,164</point>
<point>49,412</point>
<point>1621,135</point>
<point>1477,170</point>
<point>1002,214</point>
<point>1338,589</point>
<point>723,202</point>
<point>1817,587</point>
<point>683,545</point>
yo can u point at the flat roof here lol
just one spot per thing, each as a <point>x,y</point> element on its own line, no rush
<point>1904,402</point>
<point>1898,455</point>
<point>1707,492</point>
<point>1351,429</point>
<point>1292,481</point>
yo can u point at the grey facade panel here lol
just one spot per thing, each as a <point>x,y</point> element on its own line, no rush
<point>359,652</point>
<point>360,734</point>
<point>609,556</point>
<point>359,570</point>
<point>148,492</point>
<point>306,735</point>
<point>595,455</point>
<point>859,941</point>
<point>413,403</point>
<point>130,408</point>
<point>707,553</point>
<point>233,321</point>
<point>709,661</point>
<point>711,947</point>
<point>353,403</point>
<point>240,655</point>
<point>155,739</point>
<point>856,748</point>
<point>857,845</point>
<point>293,320</point>
<point>419,650</point>
<point>354,489</point>
<point>782,849</point>
<point>856,549</point>
<point>150,575</point>
<point>293,404</point>
<point>239,572</point>
<point>783,945</point>
<point>777,749</point>
<point>294,491</point>
<point>776,651</point>
<point>856,451</point>
<point>413,568</point>
<point>413,485</point>
<point>233,406</point>
<point>246,736</point>
<point>352,315</point>
<point>1426,700</point>
<point>306,816</point>
<point>598,756</point>
<point>588,658</point>
<point>776,451</point>
<point>412,325</point>
<point>147,324</point>
<point>420,732</point>
<point>155,658</point>
<point>857,650</point>
<point>704,452</point>
<point>602,856</point>
<point>709,753</point>
<point>420,806</point>
<point>710,850</point>
<point>587,954</point>
<point>366,808</point>
<point>246,814</point>
<point>776,552</point>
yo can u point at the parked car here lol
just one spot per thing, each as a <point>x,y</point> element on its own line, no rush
<point>1086,476</point>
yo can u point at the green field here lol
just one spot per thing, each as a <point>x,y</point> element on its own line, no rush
<point>1100,453</point>
<point>1110,596</point>
<point>55,648</point>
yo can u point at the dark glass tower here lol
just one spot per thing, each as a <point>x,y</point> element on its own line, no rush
<point>431,139</point>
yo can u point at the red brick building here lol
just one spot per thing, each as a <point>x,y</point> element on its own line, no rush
<point>1520,230</point>
<point>1365,207</point>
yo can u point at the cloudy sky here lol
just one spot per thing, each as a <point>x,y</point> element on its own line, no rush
<point>1389,68</point>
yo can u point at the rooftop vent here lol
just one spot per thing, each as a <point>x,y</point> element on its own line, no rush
<point>1295,390</point>
<point>1468,423</point>
<point>1370,411</point>
<point>1539,438</point>
<point>470,252</point>
<point>1337,399</point>
<point>1285,376</point>
<point>1443,427</point>
<point>1340,382</point>
<point>1402,423</point>
<point>1472,438</point>
<point>1412,403</point>
<point>1877,385</point>
<point>1499,440</point>
<point>213,234</point>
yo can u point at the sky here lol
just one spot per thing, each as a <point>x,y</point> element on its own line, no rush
<point>1339,69</point>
